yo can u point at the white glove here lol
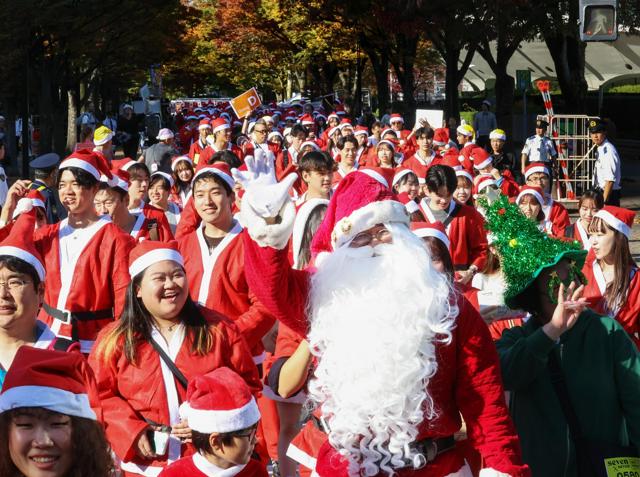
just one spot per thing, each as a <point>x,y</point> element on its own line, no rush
<point>263,193</point>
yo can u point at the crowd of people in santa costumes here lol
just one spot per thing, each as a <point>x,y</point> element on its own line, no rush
<point>299,293</point>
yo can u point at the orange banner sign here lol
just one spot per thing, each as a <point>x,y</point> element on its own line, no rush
<point>247,102</point>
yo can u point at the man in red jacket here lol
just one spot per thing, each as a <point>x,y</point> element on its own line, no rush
<point>396,363</point>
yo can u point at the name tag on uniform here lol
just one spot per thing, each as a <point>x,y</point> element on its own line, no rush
<point>196,156</point>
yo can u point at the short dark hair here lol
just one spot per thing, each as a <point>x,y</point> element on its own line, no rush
<point>424,131</point>
<point>439,176</point>
<point>43,173</point>
<point>17,265</point>
<point>206,176</point>
<point>200,440</point>
<point>157,178</point>
<point>118,190</point>
<point>227,157</point>
<point>593,195</point>
<point>316,161</point>
<point>298,129</point>
<point>345,139</point>
<point>135,169</point>
<point>82,177</point>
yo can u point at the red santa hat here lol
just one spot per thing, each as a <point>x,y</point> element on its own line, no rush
<point>340,110</point>
<point>388,131</point>
<point>460,172</point>
<point>617,218</point>
<point>362,200</point>
<point>89,161</point>
<point>307,120</point>
<point>535,167</point>
<point>409,204</point>
<point>273,134</point>
<point>122,164</point>
<point>300,223</point>
<point>396,118</point>
<point>33,199</point>
<point>311,144</point>
<point>120,179</point>
<point>530,190</point>
<point>219,124</point>
<point>361,130</point>
<point>333,130</point>
<point>19,243</point>
<point>148,252</point>
<point>345,123</point>
<point>219,401</point>
<point>482,182</point>
<point>166,176</point>
<point>177,159</point>
<point>220,169</point>
<point>399,174</point>
<point>441,137</point>
<point>480,158</point>
<point>451,159</point>
<point>49,379</point>
<point>333,115</point>
<point>204,124</point>
<point>388,143</point>
<point>435,229</point>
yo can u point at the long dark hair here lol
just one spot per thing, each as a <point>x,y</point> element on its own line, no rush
<point>313,223</point>
<point>616,293</point>
<point>90,448</point>
<point>136,323</point>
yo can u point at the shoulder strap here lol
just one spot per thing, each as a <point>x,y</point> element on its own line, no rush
<point>560,387</point>
<point>62,344</point>
<point>172,366</point>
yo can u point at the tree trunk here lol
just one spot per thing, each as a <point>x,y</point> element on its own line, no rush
<point>46,108</point>
<point>403,62</point>
<point>505,88</point>
<point>568,54</point>
<point>72,115</point>
<point>452,81</point>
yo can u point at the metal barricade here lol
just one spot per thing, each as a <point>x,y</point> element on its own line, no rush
<point>576,156</point>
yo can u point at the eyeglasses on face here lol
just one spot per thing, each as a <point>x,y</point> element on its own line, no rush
<point>366,238</point>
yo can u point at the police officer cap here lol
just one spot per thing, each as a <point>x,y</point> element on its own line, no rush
<point>541,124</point>
<point>46,161</point>
<point>597,125</point>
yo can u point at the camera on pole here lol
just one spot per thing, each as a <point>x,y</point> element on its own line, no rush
<point>598,20</point>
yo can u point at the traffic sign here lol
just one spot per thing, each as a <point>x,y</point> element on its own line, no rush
<point>523,80</point>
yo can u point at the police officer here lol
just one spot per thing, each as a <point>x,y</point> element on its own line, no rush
<point>539,148</point>
<point>45,173</point>
<point>607,169</point>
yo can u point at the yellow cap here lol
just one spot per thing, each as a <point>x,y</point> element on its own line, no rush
<point>102,135</point>
<point>498,134</point>
<point>465,130</point>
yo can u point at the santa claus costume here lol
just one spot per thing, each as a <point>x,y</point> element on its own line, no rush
<point>87,267</point>
<point>196,148</point>
<point>218,125</point>
<point>146,390</point>
<point>368,415</point>
<point>555,213</point>
<point>216,277</point>
<point>626,311</point>
<point>219,402</point>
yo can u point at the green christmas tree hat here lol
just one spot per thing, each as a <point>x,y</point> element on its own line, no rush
<point>525,251</point>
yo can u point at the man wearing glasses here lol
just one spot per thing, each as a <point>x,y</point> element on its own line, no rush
<point>399,357</point>
<point>258,139</point>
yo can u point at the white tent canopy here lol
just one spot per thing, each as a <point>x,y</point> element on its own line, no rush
<point>605,62</point>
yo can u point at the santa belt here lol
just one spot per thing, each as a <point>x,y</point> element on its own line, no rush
<point>67,317</point>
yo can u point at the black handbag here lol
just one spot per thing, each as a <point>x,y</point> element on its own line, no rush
<point>594,458</point>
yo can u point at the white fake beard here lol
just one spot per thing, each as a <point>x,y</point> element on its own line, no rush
<point>375,314</point>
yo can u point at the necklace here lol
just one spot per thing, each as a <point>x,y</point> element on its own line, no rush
<point>169,328</point>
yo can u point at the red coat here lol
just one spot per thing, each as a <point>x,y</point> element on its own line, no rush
<point>421,167</point>
<point>209,151</point>
<point>98,281</point>
<point>467,235</point>
<point>218,282</point>
<point>198,466</point>
<point>195,151</point>
<point>130,393</point>
<point>465,157</point>
<point>557,214</point>
<point>468,379</point>
<point>509,186</point>
<point>595,291</point>
<point>150,213</point>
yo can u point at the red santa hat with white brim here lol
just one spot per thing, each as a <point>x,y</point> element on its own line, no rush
<point>220,125</point>
<point>49,379</point>
<point>221,170</point>
<point>120,179</point>
<point>399,174</point>
<point>204,124</point>
<point>388,143</point>
<point>310,144</point>
<point>177,159</point>
<point>148,252</point>
<point>533,168</point>
<point>362,200</point>
<point>480,158</point>
<point>89,161</point>
<point>530,190</point>
<point>19,243</point>
<point>166,176</point>
<point>396,118</point>
<point>435,229</point>
<point>333,130</point>
<point>220,402</point>
<point>33,199</point>
<point>300,223</point>
<point>441,137</point>
<point>122,164</point>
<point>273,134</point>
<point>483,182</point>
<point>460,172</point>
<point>617,218</point>
<point>361,130</point>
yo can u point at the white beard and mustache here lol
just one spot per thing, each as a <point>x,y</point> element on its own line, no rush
<point>375,314</point>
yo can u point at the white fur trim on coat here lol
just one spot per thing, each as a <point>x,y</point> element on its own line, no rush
<point>265,235</point>
<point>379,212</point>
